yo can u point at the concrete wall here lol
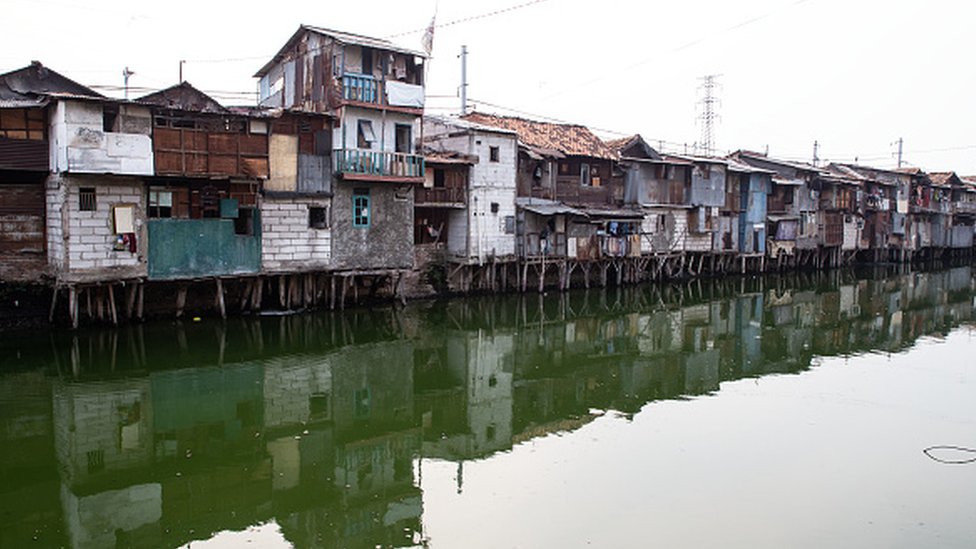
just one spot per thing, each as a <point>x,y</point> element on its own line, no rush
<point>80,145</point>
<point>388,240</point>
<point>82,244</point>
<point>95,520</point>
<point>287,241</point>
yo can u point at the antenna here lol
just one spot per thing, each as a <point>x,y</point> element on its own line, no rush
<point>816,148</point>
<point>708,115</point>
<point>126,73</point>
<point>182,62</point>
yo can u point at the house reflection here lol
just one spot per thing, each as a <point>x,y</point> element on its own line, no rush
<point>165,434</point>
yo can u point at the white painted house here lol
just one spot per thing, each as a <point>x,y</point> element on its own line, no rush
<point>484,226</point>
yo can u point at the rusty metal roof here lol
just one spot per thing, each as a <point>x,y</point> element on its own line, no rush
<point>568,139</point>
<point>647,152</point>
<point>342,38</point>
<point>184,97</point>
<point>36,80</point>
<point>944,179</point>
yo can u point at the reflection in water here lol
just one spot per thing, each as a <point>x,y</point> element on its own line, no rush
<point>159,435</point>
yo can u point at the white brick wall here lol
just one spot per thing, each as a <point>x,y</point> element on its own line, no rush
<point>82,242</point>
<point>490,182</point>
<point>287,242</point>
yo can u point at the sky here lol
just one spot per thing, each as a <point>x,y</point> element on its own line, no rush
<point>854,76</point>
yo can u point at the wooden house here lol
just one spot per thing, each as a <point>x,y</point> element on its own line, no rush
<point>374,92</point>
<point>25,152</point>
<point>958,231</point>
<point>202,201</point>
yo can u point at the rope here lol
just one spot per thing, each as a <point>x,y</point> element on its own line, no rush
<point>929,453</point>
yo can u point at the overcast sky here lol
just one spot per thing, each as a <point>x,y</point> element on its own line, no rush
<point>854,76</point>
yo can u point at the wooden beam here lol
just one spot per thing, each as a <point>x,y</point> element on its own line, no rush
<point>220,298</point>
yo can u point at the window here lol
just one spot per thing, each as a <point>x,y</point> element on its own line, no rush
<point>318,406</point>
<point>244,223</point>
<point>563,168</point>
<point>438,178</point>
<point>160,204</point>
<point>585,179</point>
<point>367,61</point>
<point>86,199</point>
<point>509,224</point>
<point>360,208</point>
<point>365,136</point>
<point>403,136</point>
<point>110,115</point>
<point>318,217</point>
<point>493,154</point>
<point>494,207</point>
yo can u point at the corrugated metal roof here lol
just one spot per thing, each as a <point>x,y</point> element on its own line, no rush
<point>542,206</point>
<point>37,80</point>
<point>338,36</point>
<point>736,166</point>
<point>612,213</point>
<point>789,182</point>
<point>568,139</point>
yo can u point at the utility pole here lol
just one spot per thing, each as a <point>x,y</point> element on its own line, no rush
<point>816,147</point>
<point>708,115</point>
<point>126,73</point>
<point>182,61</point>
<point>464,80</point>
<point>900,142</point>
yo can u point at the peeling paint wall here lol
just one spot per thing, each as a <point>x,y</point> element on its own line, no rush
<point>387,243</point>
<point>80,143</point>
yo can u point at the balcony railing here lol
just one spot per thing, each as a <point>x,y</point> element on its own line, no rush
<point>378,163</point>
<point>360,87</point>
<point>440,195</point>
<point>364,88</point>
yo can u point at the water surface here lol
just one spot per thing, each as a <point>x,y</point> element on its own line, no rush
<point>763,412</point>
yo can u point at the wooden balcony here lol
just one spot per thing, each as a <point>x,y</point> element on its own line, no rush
<point>440,196</point>
<point>370,165</point>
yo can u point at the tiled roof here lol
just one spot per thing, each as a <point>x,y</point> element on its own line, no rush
<point>569,139</point>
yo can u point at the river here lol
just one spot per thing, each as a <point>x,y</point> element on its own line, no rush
<point>798,411</point>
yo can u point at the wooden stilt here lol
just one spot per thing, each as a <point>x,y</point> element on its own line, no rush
<point>131,291</point>
<point>73,305</point>
<point>54,304</point>
<point>140,300</point>
<point>220,298</point>
<point>180,300</point>
<point>332,292</point>
<point>111,304</point>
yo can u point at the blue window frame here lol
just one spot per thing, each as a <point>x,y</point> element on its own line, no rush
<point>360,208</point>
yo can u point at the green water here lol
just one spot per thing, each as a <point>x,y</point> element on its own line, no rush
<point>763,412</point>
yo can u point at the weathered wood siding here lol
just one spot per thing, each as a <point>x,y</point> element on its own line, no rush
<point>23,246</point>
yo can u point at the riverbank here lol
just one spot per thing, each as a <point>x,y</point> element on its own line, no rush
<point>25,306</point>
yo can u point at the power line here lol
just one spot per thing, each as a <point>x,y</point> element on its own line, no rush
<point>703,38</point>
<point>471,18</point>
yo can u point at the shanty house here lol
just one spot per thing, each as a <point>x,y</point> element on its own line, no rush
<point>374,91</point>
<point>25,153</point>
<point>657,185</point>
<point>202,201</point>
<point>569,199</point>
<point>296,204</point>
<point>100,151</point>
<point>792,204</point>
<point>470,181</point>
